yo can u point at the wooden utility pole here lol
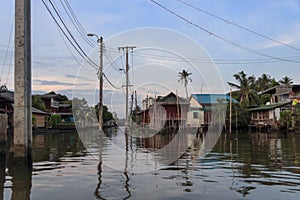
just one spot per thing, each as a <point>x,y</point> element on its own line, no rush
<point>230,111</point>
<point>100,105</point>
<point>126,48</point>
<point>22,85</point>
<point>101,85</point>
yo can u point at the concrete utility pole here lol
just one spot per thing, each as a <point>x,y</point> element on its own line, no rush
<point>100,106</point>
<point>22,85</point>
<point>126,48</point>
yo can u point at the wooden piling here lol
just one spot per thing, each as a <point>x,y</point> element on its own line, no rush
<point>3,132</point>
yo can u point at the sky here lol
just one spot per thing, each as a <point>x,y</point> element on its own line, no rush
<point>194,38</point>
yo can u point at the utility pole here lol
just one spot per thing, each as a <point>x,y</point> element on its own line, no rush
<point>22,83</point>
<point>230,111</point>
<point>100,106</point>
<point>126,48</point>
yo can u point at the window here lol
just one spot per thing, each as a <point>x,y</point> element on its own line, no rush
<point>254,115</point>
<point>195,115</point>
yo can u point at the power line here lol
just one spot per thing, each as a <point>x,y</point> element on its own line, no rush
<point>68,30</point>
<point>110,82</point>
<point>237,25</point>
<point>75,22</point>
<point>79,50</point>
<point>7,50</point>
<point>82,54</point>
<point>218,36</point>
<point>217,61</point>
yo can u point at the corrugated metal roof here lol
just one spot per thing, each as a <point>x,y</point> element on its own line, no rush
<point>213,98</point>
<point>270,106</point>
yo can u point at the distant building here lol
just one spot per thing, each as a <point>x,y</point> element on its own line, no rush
<point>7,107</point>
<point>55,103</point>
<point>283,93</point>
<point>147,102</point>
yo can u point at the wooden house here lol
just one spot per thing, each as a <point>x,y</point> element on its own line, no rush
<point>281,97</point>
<point>268,115</point>
<point>282,93</point>
<point>7,107</point>
<point>39,118</point>
<point>168,111</point>
<point>202,106</point>
<point>53,102</point>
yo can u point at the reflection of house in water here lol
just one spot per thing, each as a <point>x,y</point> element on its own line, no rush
<point>275,150</point>
<point>168,111</point>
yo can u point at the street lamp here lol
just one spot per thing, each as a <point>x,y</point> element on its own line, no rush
<point>100,106</point>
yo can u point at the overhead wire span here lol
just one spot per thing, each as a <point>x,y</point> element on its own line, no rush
<point>75,22</point>
<point>6,53</point>
<point>218,36</point>
<point>111,82</point>
<point>237,25</point>
<point>217,61</point>
<point>69,32</point>
<point>77,47</point>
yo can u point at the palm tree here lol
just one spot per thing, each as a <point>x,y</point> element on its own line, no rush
<point>286,80</point>
<point>265,82</point>
<point>246,93</point>
<point>185,79</point>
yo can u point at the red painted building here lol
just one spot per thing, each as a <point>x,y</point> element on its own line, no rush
<point>168,111</point>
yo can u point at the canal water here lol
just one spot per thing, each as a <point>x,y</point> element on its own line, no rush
<point>121,166</point>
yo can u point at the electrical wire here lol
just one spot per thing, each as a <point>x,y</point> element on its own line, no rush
<point>217,61</point>
<point>76,23</point>
<point>83,55</point>
<point>218,36</point>
<point>111,82</point>
<point>237,25</point>
<point>68,30</point>
<point>7,50</point>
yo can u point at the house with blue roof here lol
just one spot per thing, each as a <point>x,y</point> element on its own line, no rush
<point>201,106</point>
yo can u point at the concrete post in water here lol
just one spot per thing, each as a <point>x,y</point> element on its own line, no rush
<point>3,141</point>
<point>22,85</point>
<point>3,133</point>
<point>3,127</point>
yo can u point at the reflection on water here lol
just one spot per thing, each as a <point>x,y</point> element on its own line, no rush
<point>252,165</point>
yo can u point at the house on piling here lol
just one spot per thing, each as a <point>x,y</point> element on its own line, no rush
<point>7,107</point>
<point>202,107</point>
<point>168,111</point>
<point>281,97</point>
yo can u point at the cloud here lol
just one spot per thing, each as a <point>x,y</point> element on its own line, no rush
<point>44,82</point>
<point>289,37</point>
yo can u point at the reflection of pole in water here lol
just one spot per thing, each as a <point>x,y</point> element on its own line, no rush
<point>21,171</point>
<point>2,173</point>
<point>99,168</point>
<point>126,185</point>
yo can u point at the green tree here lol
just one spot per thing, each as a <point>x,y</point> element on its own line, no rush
<point>55,119</point>
<point>246,93</point>
<point>38,103</point>
<point>185,79</point>
<point>286,118</point>
<point>106,114</point>
<point>286,80</point>
<point>265,82</point>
